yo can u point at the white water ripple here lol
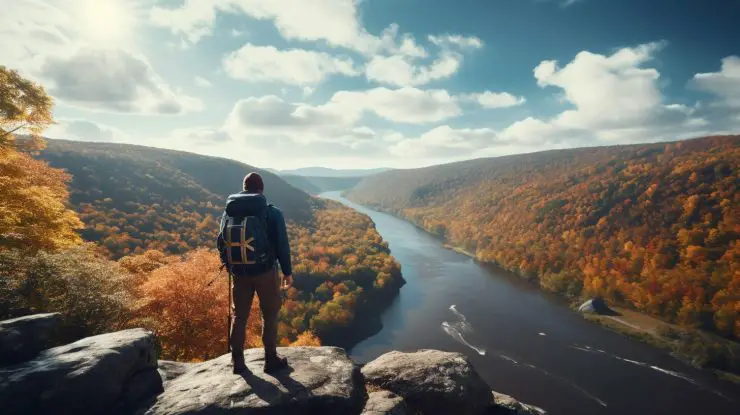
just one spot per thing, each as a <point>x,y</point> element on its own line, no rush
<point>457,328</point>
<point>678,375</point>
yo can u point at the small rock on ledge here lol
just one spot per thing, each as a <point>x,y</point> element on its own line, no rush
<point>506,405</point>
<point>23,338</point>
<point>384,403</point>
<point>431,381</point>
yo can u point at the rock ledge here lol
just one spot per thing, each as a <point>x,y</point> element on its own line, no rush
<point>117,373</point>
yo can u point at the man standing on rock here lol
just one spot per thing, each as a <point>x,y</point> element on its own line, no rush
<point>252,238</point>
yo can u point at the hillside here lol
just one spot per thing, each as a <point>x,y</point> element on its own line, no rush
<point>327,172</point>
<point>134,197</point>
<point>319,184</point>
<point>134,200</point>
<point>655,226</point>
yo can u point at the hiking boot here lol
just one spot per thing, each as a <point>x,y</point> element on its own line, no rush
<point>275,364</point>
<point>237,359</point>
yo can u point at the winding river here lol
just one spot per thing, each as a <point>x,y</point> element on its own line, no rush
<point>525,342</point>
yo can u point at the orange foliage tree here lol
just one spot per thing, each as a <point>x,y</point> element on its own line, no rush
<point>33,196</point>
<point>187,314</point>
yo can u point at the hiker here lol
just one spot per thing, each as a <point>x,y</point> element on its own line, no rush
<point>252,238</point>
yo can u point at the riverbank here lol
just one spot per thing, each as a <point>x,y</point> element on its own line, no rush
<point>525,340</point>
<point>698,348</point>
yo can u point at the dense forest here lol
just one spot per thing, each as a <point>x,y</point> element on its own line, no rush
<point>115,236</point>
<point>655,227</point>
<point>152,206</point>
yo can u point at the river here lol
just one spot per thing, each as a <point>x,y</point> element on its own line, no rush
<point>525,342</point>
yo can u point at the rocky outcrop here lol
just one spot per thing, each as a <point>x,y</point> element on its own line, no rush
<point>506,405</point>
<point>23,338</point>
<point>92,375</point>
<point>384,403</point>
<point>596,305</point>
<point>321,380</point>
<point>117,373</point>
<point>431,381</point>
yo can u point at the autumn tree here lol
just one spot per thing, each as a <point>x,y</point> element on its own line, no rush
<point>188,314</point>
<point>33,196</point>
<point>24,107</point>
<point>92,293</point>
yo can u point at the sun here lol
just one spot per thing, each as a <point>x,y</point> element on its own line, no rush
<point>106,21</point>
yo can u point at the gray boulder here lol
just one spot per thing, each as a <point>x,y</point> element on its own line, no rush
<point>596,305</point>
<point>507,405</point>
<point>169,370</point>
<point>322,380</point>
<point>431,381</point>
<point>23,338</point>
<point>384,403</point>
<point>89,376</point>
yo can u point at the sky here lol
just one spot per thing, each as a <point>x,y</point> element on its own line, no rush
<point>379,83</point>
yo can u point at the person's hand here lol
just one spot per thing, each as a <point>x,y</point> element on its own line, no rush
<point>287,281</point>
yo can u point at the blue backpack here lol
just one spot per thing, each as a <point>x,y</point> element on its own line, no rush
<point>243,239</point>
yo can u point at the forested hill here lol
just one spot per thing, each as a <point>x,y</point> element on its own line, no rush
<point>141,197</point>
<point>156,212</point>
<point>652,226</point>
<point>319,184</point>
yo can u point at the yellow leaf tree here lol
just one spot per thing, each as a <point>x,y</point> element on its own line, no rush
<point>33,195</point>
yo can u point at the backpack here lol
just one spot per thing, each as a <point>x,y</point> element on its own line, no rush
<point>243,239</point>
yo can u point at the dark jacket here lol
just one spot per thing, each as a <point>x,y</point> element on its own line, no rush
<point>277,233</point>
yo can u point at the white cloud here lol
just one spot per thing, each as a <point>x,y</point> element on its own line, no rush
<point>333,21</point>
<point>113,80</point>
<point>464,42</point>
<point>445,141</point>
<point>85,130</point>
<point>307,91</point>
<point>84,53</point>
<point>616,99</point>
<point>295,66</point>
<point>401,67</point>
<point>398,70</point>
<point>192,20</point>
<point>272,115</point>
<point>404,105</point>
<point>271,124</point>
<point>724,84</point>
<point>605,89</point>
<point>490,99</point>
<point>202,82</point>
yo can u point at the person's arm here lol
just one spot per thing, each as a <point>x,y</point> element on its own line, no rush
<point>283,245</point>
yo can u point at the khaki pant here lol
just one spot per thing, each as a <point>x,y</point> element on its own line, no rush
<point>267,287</point>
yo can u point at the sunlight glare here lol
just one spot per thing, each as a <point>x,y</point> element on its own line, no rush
<point>105,21</point>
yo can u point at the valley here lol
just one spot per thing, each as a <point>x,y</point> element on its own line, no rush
<point>525,341</point>
<point>156,212</point>
<point>653,227</point>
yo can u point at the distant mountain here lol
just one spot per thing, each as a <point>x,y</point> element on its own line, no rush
<point>327,172</point>
<point>315,185</point>
<point>652,226</point>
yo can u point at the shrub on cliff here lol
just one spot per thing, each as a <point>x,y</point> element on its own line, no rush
<point>91,292</point>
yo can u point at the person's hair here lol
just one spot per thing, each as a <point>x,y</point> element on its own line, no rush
<point>253,183</point>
